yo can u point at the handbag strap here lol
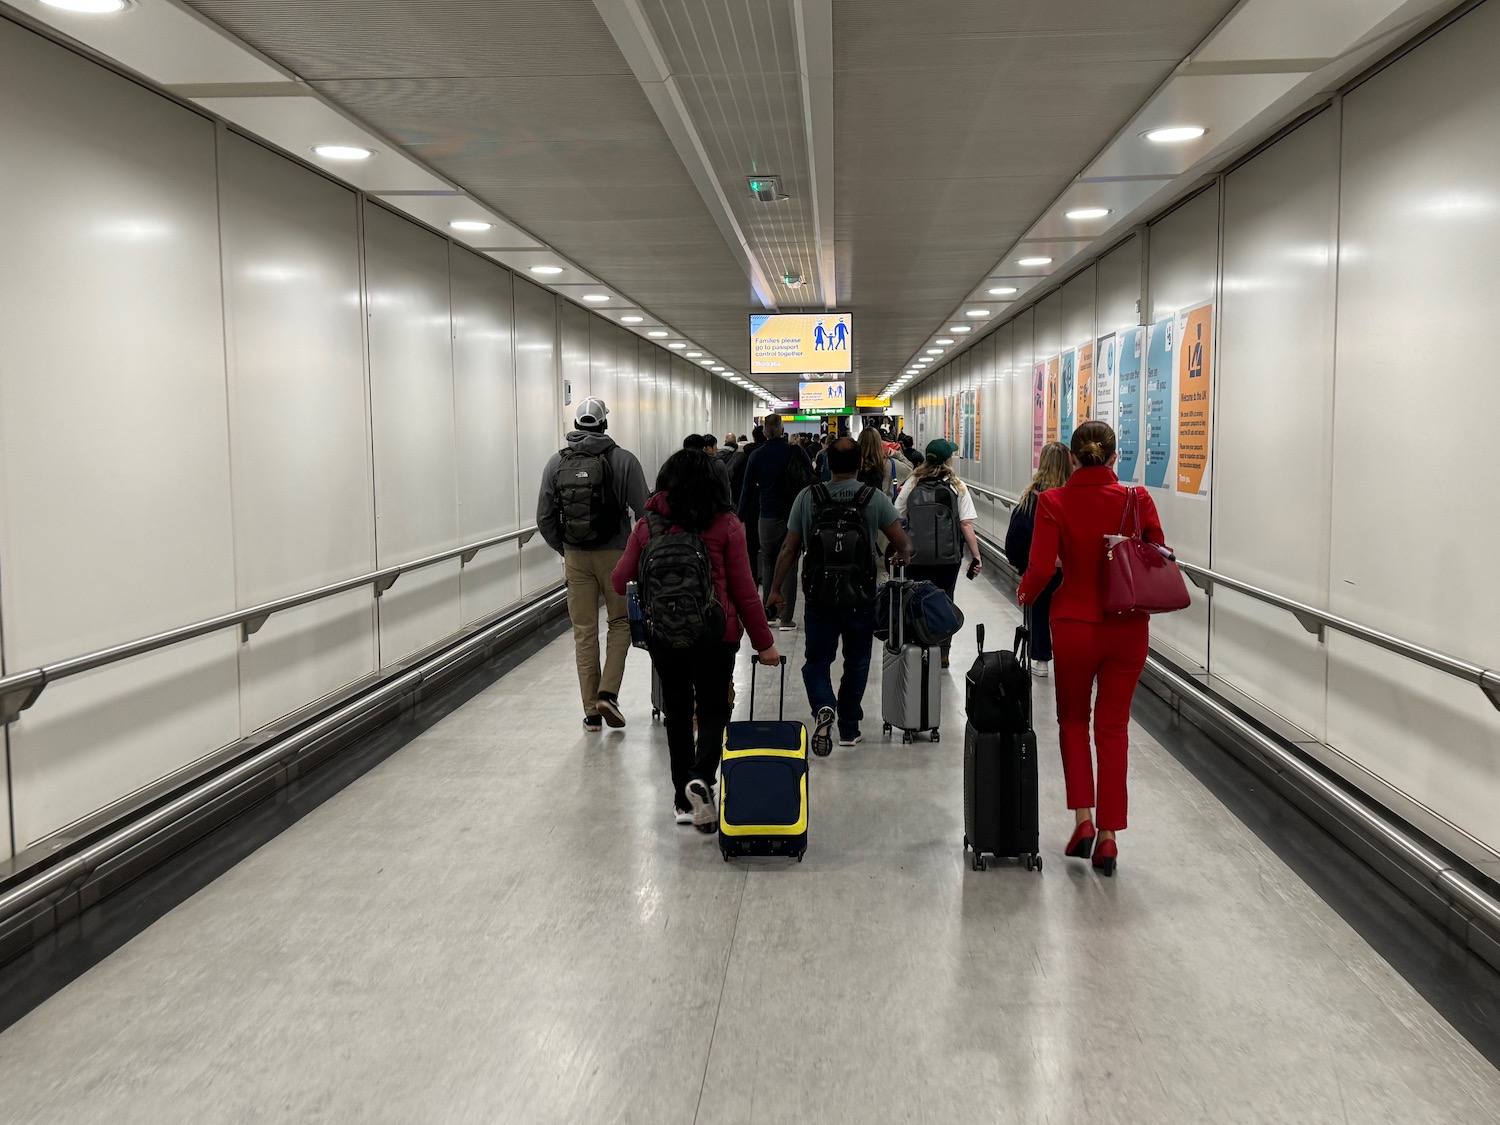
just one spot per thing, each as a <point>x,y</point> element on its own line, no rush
<point>1132,513</point>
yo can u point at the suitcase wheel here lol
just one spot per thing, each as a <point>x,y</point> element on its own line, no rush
<point>980,863</point>
<point>906,736</point>
<point>726,857</point>
<point>1030,863</point>
<point>935,736</point>
<point>1038,863</point>
<point>655,713</point>
<point>886,728</point>
<point>800,855</point>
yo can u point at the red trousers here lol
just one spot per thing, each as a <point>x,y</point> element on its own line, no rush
<point>1111,653</point>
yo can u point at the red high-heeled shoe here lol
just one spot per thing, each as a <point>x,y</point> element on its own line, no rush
<point>1082,842</point>
<point>1105,856</point>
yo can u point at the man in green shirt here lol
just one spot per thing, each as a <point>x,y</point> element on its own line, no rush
<point>839,595</point>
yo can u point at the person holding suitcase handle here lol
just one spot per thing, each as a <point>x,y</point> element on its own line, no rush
<point>839,521</point>
<point>1090,645</point>
<point>697,599</point>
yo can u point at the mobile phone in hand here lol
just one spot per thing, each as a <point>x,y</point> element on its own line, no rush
<point>973,569</point>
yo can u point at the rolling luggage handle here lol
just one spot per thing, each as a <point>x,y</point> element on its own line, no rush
<point>781,703</point>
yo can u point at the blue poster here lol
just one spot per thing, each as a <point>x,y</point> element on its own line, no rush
<point>1128,403</point>
<point>1158,420</point>
<point>1069,397</point>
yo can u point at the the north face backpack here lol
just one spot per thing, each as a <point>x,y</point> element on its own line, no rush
<point>586,500</point>
<point>840,570</point>
<point>932,523</point>
<point>677,588</point>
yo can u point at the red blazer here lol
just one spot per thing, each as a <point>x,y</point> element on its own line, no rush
<point>733,583</point>
<point>1071,523</point>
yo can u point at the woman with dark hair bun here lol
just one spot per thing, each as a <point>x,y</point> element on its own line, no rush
<point>1088,647</point>
<point>692,654</point>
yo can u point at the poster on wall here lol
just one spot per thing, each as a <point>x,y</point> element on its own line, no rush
<point>1105,356</point>
<point>1038,412</point>
<point>1086,383</point>
<point>1128,404</point>
<point>1157,438</point>
<point>1067,396</point>
<point>1194,401</point>
<point>971,443</point>
<point>978,443</point>
<point>1053,377</point>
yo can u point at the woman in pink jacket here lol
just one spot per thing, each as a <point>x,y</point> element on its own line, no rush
<point>693,657</point>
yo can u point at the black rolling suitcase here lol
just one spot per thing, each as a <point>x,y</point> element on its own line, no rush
<point>763,784</point>
<point>1000,797</point>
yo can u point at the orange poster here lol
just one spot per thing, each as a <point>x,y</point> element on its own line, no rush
<point>1194,398</point>
<point>1085,384</point>
<point>1053,376</point>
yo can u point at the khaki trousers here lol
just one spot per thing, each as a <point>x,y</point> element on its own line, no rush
<point>588,575</point>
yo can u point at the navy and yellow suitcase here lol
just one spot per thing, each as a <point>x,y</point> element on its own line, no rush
<point>763,784</point>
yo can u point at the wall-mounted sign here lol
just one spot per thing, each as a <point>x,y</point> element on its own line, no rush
<point>870,402</point>
<point>829,411</point>
<point>801,343</point>
<point>821,396</point>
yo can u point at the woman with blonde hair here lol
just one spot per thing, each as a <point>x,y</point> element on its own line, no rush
<point>1054,467</point>
<point>874,467</point>
<point>936,490</point>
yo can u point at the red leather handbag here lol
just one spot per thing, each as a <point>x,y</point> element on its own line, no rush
<point>1139,577</point>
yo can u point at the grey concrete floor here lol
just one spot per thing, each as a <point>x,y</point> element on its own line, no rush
<point>501,924</point>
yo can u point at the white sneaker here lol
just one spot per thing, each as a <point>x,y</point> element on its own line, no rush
<point>788,625</point>
<point>705,813</point>
<point>681,816</point>
<point>851,739</point>
<point>1039,668</point>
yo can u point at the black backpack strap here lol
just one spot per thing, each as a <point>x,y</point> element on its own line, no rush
<point>862,497</point>
<point>820,494</point>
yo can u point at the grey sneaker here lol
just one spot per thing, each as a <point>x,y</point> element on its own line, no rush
<point>1040,668</point>
<point>705,814</point>
<point>822,741</point>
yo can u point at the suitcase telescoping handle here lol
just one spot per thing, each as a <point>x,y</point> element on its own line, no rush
<point>781,704</point>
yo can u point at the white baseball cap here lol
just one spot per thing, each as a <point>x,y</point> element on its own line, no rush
<point>591,413</point>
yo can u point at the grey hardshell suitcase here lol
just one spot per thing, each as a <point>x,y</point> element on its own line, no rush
<point>911,682</point>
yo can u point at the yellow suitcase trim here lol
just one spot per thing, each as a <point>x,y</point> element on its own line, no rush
<point>765,829</point>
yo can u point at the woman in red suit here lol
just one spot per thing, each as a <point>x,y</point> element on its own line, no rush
<point>1089,647</point>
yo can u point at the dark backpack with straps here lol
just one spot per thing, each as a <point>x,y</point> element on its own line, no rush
<point>840,570</point>
<point>587,503</point>
<point>933,523</point>
<point>678,599</point>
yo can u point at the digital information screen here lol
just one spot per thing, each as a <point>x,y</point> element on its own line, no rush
<point>801,343</point>
<point>820,396</point>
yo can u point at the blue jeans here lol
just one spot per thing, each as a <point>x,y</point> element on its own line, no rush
<point>856,629</point>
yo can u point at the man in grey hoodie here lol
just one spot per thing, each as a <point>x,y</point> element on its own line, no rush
<point>591,495</point>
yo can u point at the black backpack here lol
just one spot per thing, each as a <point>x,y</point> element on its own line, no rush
<point>932,521</point>
<point>1019,532</point>
<point>590,510</point>
<point>677,588</point>
<point>997,690</point>
<point>840,570</point>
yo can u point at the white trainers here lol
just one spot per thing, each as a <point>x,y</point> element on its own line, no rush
<point>851,739</point>
<point>705,813</point>
<point>1039,668</point>
<point>788,625</point>
<point>681,816</point>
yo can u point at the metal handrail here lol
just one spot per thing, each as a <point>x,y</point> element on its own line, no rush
<point>1318,622</point>
<point>20,690</point>
<point>1007,501</point>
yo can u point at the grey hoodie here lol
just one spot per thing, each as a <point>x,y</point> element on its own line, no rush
<point>626,473</point>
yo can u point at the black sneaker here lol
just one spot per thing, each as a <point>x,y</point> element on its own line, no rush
<point>609,708</point>
<point>822,739</point>
<point>592,724</point>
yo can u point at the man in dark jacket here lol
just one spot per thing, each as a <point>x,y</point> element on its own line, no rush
<point>570,513</point>
<point>765,498</point>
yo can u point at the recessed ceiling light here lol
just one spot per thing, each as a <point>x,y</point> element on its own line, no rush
<point>1002,291</point>
<point>677,347</point>
<point>339,152</point>
<point>547,270</point>
<point>658,334</point>
<point>632,320</point>
<point>1034,261</point>
<point>89,7</point>
<point>961,328</point>
<point>706,362</point>
<point>1087,213</point>
<point>976,312</point>
<point>1174,134</point>
<point>913,370</point>
<point>694,355</point>
<point>470,224</point>
<point>934,351</point>
<point>943,343</point>
<point>596,298</point>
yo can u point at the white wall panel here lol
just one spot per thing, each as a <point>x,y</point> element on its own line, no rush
<point>538,418</point>
<point>1118,287</point>
<point>1184,271</point>
<point>625,406</point>
<point>1415,400</point>
<point>1023,353</point>
<point>114,445</point>
<point>1078,309</point>
<point>574,328</point>
<point>303,514</point>
<point>484,395</point>
<point>411,408</point>
<point>1273,392</point>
